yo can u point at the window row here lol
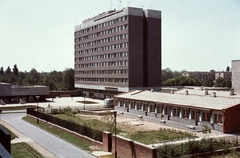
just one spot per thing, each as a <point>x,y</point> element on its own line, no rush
<point>103,72</point>
<point>102,25</point>
<point>105,48</point>
<point>102,33</point>
<point>103,80</point>
<point>100,41</point>
<point>102,64</point>
<point>103,56</point>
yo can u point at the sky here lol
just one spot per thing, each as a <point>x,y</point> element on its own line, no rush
<point>197,35</point>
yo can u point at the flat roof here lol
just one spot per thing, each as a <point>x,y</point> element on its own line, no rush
<point>181,99</point>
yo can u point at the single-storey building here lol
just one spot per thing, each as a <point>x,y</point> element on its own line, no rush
<point>217,109</point>
<point>9,93</point>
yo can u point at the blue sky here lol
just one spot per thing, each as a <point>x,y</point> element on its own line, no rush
<point>197,35</point>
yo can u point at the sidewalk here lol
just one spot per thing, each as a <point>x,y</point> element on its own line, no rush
<point>23,138</point>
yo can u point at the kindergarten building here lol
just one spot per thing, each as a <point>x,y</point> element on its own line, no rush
<point>219,110</point>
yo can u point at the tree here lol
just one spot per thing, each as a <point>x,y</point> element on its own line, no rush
<point>48,82</point>
<point>15,70</point>
<point>8,70</point>
<point>33,77</point>
<point>1,71</point>
<point>167,74</point>
<point>229,82</point>
<point>69,79</point>
<point>227,69</point>
<point>208,82</point>
<point>220,82</point>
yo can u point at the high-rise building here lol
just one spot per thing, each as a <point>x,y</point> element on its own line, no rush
<point>117,51</point>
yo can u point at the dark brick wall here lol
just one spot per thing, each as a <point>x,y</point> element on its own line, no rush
<point>135,51</point>
<point>231,119</point>
<point>153,52</point>
<point>127,148</point>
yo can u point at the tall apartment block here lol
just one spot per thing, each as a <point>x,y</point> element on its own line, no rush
<point>236,75</point>
<point>118,51</point>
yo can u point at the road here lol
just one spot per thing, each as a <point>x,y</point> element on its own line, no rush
<point>57,146</point>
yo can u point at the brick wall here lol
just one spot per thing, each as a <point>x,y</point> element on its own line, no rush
<point>128,148</point>
<point>231,119</point>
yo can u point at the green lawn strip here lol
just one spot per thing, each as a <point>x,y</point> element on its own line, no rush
<point>87,102</point>
<point>60,133</point>
<point>22,149</point>
<point>13,136</point>
<point>156,136</point>
<point>9,108</point>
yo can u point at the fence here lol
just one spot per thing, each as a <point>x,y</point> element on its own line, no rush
<point>83,130</point>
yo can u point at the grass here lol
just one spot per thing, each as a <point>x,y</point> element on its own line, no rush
<point>87,102</point>
<point>9,108</point>
<point>23,150</point>
<point>157,136</point>
<point>62,134</point>
<point>145,137</point>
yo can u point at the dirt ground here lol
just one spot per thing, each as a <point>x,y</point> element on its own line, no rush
<point>136,124</point>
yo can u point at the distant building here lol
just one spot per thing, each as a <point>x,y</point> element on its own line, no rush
<point>117,51</point>
<point>9,93</point>
<point>236,75</point>
<point>201,75</point>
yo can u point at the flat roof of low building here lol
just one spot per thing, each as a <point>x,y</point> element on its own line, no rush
<point>194,99</point>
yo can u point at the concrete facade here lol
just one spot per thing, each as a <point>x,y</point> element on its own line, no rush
<point>236,75</point>
<point>218,110</point>
<point>117,51</point>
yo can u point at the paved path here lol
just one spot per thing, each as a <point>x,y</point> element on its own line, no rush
<point>56,146</point>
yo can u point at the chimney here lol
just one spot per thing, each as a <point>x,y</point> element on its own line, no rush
<point>231,92</point>
<point>206,91</point>
<point>214,94</point>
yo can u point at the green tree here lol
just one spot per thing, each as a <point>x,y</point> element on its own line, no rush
<point>48,82</point>
<point>220,82</point>
<point>1,71</point>
<point>33,77</point>
<point>167,74</point>
<point>15,70</point>
<point>227,69</point>
<point>229,83</point>
<point>208,82</point>
<point>69,79</point>
<point>8,70</point>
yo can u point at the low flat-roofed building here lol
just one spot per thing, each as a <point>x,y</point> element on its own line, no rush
<point>9,93</point>
<point>218,110</point>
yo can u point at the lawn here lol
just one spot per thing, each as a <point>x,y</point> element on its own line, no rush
<point>23,150</point>
<point>20,107</point>
<point>128,131</point>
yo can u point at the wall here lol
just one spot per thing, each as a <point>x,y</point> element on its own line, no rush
<point>231,119</point>
<point>236,75</point>
<point>5,139</point>
<point>127,148</point>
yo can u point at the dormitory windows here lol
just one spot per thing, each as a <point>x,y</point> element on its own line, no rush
<point>109,80</point>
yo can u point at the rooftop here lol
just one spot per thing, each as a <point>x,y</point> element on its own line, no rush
<point>196,98</point>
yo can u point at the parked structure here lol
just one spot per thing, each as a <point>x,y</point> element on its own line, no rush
<point>236,75</point>
<point>9,93</point>
<point>218,110</point>
<point>117,51</point>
